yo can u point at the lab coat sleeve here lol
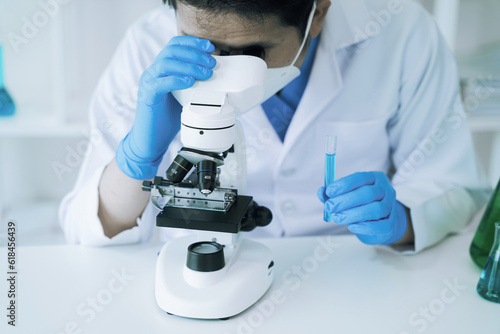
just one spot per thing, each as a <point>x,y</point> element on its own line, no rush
<point>436,172</point>
<point>111,116</point>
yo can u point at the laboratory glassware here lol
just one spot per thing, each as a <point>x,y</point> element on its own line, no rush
<point>483,239</point>
<point>489,282</point>
<point>330,160</point>
<point>7,106</point>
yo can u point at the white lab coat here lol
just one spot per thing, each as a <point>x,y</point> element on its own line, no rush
<point>387,86</point>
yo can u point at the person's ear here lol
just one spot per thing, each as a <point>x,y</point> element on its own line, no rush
<point>322,7</point>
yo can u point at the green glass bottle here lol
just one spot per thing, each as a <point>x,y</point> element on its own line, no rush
<point>488,286</point>
<point>485,234</point>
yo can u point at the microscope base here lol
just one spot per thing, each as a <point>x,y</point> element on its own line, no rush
<point>246,277</point>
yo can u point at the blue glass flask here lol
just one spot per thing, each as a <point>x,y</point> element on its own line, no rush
<point>7,106</point>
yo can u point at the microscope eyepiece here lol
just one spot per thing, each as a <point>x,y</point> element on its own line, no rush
<point>207,176</point>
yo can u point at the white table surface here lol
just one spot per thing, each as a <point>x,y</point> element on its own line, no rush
<point>356,289</point>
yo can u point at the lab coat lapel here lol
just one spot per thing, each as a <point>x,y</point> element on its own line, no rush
<point>324,85</point>
<point>257,119</point>
<point>344,19</point>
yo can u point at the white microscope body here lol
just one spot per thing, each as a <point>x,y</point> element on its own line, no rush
<point>215,273</point>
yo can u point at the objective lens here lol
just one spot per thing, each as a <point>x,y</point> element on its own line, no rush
<point>178,169</point>
<point>207,176</point>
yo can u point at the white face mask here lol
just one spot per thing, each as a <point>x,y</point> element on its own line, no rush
<point>277,78</point>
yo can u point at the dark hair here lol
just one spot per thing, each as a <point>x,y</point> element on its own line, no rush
<point>290,12</point>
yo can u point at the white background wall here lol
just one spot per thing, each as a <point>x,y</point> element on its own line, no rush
<point>479,24</point>
<point>91,31</point>
<point>29,187</point>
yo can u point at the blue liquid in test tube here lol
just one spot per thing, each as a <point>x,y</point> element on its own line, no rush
<point>330,157</point>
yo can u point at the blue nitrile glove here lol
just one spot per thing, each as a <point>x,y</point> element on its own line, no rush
<point>366,203</point>
<point>157,118</point>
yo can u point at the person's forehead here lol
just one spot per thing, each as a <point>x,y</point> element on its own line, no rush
<point>230,30</point>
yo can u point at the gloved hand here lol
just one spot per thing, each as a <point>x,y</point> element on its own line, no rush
<point>157,120</point>
<point>366,203</point>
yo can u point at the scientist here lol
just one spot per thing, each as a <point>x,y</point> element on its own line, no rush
<point>375,73</point>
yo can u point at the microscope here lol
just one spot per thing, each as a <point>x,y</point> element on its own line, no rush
<point>214,273</point>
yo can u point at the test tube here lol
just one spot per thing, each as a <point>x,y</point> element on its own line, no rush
<point>330,157</point>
